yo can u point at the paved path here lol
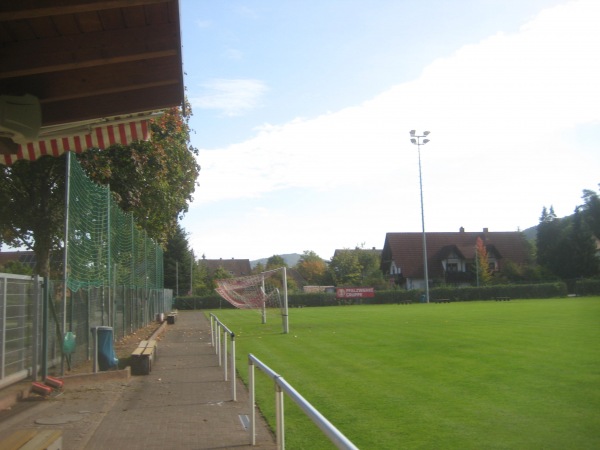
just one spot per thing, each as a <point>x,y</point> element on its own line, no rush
<point>184,403</point>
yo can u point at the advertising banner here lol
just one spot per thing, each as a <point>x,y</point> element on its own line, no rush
<point>358,292</point>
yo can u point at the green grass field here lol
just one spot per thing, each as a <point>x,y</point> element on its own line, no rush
<point>523,374</point>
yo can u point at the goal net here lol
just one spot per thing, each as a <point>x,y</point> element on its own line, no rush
<point>264,290</point>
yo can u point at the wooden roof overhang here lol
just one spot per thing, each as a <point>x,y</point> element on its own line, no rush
<point>91,59</point>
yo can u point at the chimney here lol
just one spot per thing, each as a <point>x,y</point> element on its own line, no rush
<point>485,230</point>
<point>462,229</point>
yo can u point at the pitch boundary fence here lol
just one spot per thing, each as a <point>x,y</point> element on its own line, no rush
<point>31,317</point>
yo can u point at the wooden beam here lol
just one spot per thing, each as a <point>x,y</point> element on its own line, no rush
<point>88,50</point>
<point>86,82</point>
<point>31,9</point>
<point>148,99</point>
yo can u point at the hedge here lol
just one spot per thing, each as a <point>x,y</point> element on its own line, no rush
<point>587,287</point>
<point>299,300</point>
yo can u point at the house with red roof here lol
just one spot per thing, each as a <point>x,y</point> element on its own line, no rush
<point>235,267</point>
<point>450,256</point>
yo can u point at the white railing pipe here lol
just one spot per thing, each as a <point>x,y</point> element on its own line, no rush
<point>282,386</point>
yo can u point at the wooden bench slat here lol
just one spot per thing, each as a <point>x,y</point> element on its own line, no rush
<point>17,439</point>
<point>33,439</point>
<point>46,439</point>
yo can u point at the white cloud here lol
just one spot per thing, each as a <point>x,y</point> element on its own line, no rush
<point>233,97</point>
<point>503,114</point>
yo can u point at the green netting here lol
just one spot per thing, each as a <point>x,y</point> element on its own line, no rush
<point>104,245</point>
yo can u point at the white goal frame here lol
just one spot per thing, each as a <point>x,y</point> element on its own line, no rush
<point>230,295</point>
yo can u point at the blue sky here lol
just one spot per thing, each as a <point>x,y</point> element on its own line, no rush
<point>302,112</point>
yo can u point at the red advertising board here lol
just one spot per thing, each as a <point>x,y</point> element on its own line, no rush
<point>358,292</point>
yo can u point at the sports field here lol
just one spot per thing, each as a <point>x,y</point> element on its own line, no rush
<point>523,374</point>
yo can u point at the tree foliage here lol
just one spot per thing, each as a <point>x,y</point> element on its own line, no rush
<point>16,267</point>
<point>177,262</point>
<point>275,262</point>
<point>32,205</point>
<point>345,268</point>
<point>154,180</point>
<point>312,268</point>
<point>484,274</point>
<point>567,247</point>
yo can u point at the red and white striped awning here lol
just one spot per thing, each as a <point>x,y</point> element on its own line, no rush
<point>99,136</point>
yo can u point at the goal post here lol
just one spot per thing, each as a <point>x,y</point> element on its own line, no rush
<point>260,291</point>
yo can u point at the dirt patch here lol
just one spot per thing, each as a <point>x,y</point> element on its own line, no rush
<point>123,348</point>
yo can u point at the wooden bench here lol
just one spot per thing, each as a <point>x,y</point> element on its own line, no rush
<point>502,299</point>
<point>143,357</point>
<point>33,439</point>
<point>442,300</point>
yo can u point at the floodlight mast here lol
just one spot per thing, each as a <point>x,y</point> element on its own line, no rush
<point>416,140</point>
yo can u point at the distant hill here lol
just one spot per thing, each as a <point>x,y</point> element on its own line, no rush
<point>291,259</point>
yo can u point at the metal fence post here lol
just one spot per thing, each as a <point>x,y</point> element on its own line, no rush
<point>252,401</point>
<point>280,416</point>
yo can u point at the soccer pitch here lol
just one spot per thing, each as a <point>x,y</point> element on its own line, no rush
<point>523,374</point>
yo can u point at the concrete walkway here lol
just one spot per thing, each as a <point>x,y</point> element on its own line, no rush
<point>183,403</point>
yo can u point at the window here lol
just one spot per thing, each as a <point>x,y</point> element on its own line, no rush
<point>452,267</point>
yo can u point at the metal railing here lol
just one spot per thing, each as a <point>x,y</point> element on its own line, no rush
<point>281,387</point>
<point>218,330</point>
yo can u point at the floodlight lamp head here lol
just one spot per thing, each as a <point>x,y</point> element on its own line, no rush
<point>425,141</point>
<point>414,141</point>
<point>426,133</point>
<point>412,133</point>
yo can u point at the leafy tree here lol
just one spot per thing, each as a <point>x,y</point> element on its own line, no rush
<point>275,262</point>
<point>591,211</point>
<point>154,180</point>
<point>312,268</point>
<point>259,268</point>
<point>578,250</point>
<point>32,204</point>
<point>177,262</point>
<point>370,262</point>
<point>567,247</point>
<point>16,267</point>
<point>345,268</point>
<point>484,274</point>
<point>548,236</point>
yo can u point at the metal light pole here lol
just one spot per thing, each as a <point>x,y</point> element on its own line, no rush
<point>416,139</point>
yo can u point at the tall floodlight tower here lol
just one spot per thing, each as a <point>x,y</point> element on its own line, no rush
<point>419,140</point>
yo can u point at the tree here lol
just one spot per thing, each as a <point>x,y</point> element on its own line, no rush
<point>370,262</point>
<point>154,180</point>
<point>259,268</point>
<point>32,205</point>
<point>548,236</point>
<point>484,274</point>
<point>345,268</point>
<point>177,262</point>
<point>567,247</point>
<point>16,267</point>
<point>275,262</point>
<point>578,250</point>
<point>591,211</point>
<point>312,268</point>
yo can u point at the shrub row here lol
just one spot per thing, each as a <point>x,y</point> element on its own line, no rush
<point>587,287</point>
<point>299,300</point>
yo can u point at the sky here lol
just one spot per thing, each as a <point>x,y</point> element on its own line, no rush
<point>302,111</point>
